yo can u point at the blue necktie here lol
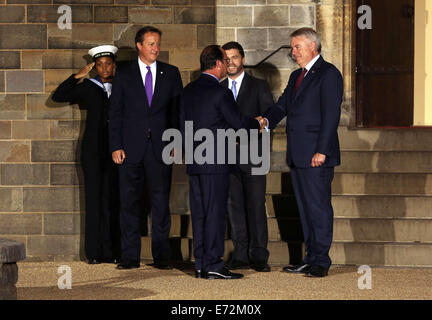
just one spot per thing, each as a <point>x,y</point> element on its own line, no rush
<point>149,85</point>
<point>234,89</point>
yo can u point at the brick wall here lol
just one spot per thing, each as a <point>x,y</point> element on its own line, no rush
<point>41,195</point>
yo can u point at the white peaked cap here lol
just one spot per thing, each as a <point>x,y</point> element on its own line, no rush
<point>101,51</point>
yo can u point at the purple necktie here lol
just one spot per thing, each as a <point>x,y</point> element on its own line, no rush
<point>149,85</point>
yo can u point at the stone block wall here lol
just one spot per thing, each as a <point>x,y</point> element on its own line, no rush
<point>41,195</point>
<point>262,26</point>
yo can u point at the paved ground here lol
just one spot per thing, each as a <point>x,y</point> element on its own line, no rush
<point>39,280</point>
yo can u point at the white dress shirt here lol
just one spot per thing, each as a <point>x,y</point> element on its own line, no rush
<point>143,70</point>
<point>238,81</point>
<point>311,63</point>
<point>308,67</point>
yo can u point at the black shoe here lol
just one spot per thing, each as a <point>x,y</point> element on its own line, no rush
<point>111,260</point>
<point>317,271</point>
<point>162,265</point>
<point>300,268</point>
<point>223,273</point>
<point>128,265</point>
<point>94,261</point>
<point>261,267</point>
<point>235,265</point>
<point>200,274</point>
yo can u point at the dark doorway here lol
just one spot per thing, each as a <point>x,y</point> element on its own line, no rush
<point>385,65</point>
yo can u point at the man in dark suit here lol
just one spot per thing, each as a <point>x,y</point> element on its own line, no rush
<point>246,202</point>
<point>210,107</point>
<point>144,102</point>
<point>312,104</point>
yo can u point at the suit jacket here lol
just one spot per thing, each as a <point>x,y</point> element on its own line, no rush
<point>131,118</point>
<point>253,99</point>
<point>94,99</point>
<point>312,115</point>
<point>212,106</point>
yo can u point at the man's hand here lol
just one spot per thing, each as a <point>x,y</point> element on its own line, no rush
<point>318,159</point>
<point>84,71</point>
<point>118,156</point>
<point>263,123</point>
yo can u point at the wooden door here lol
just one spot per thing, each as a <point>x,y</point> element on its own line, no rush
<point>385,65</point>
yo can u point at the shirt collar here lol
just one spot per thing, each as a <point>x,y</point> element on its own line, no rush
<point>238,81</point>
<point>311,63</point>
<point>211,75</point>
<point>142,65</point>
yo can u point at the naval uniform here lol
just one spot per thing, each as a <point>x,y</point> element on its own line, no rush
<point>102,230</point>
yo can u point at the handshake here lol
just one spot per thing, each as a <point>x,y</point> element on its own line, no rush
<point>263,123</point>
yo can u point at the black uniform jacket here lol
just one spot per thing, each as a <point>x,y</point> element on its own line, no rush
<point>94,99</point>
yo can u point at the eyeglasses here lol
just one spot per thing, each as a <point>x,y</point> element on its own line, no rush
<point>227,60</point>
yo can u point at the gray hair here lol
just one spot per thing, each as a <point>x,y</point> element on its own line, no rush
<point>310,34</point>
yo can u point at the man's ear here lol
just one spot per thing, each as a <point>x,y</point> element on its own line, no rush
<point>138,45</point>
<point>218,64</point>
<point>315,47</point>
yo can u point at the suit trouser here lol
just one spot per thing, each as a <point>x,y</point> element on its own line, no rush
<point>157,176</point>
<point>102,224</point>
<point>312,189</point>
<point>247,215</point>
<point>208,194</point>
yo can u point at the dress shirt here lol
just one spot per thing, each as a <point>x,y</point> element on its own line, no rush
<point>143,70</point>
<point>238,81</point>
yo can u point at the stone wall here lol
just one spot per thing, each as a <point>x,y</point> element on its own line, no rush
<point>262,26</point>
<point>41,196</point>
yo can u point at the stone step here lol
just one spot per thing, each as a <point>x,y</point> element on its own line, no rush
<point>382,183</point>
<point>348,184</point>
<point>370,161</point>
<point>362,183</point>
<point>345,229</point>
<point>359,206</point>
<point>382,254</point>
<point>413,139</point>
<point>380,206</point>
<point>386,230</point>
<point>341,252</point>
<point>355,206</point>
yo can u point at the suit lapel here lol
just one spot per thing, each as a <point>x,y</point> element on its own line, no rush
<point>309,77</point>
<point>291,84</point>
<point>137,78</point>
<point>243,88</point>
<point>160,75</point>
